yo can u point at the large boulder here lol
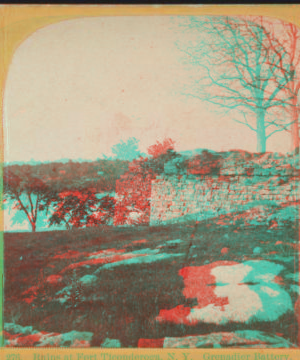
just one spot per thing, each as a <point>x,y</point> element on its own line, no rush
<point>241,339</point>
<point>88,280</point>
<point>111,343</point>
<point>13,328</point>
<point>20,336</point>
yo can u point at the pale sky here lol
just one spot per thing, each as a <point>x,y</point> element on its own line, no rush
<point>77,87</point>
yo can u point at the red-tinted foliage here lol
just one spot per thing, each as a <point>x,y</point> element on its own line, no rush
<point>80,208</point>
<point>134,193</point>
<point>160,148</point>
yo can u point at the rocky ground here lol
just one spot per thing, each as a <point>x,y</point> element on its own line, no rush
<point>226,282</point>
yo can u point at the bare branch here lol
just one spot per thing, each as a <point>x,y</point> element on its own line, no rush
<point>23,207</point>
<point>245,123</point>
<point>281,129</point>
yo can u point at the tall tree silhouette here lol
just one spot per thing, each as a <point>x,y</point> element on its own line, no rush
<point>29,193</point>
<point>290,38</point>
<point>244,67</point>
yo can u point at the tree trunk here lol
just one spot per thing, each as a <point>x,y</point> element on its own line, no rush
<point>66,224</point>
<point>261,131</point>
<point>33,226</point>
<point>295,137</point>
<point>295,128</point>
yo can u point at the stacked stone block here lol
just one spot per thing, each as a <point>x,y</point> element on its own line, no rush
<point>242,181</point>
<point>174,197</point>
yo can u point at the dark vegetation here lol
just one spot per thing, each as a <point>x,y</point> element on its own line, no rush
<point>70,189</point>
<point>80,194</point>
<point>99,174</point>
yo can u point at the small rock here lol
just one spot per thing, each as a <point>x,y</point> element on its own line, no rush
<point>17,329</point>
<point>88,279</point>
<point>111,343</point>
<point>75,336</point>
<point>70,339</point>
<point>244,338</point>
<point>27,337</point>
<point>171,242</point>
<point>257,250</point>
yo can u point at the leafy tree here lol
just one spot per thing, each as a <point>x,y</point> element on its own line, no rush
<point>29,193</point>
<point>244,68</point>
<point>81,208</point>
<point>128,150</point>
<point>108,171</point>
<point>160,148</point>
<point>105,212</point>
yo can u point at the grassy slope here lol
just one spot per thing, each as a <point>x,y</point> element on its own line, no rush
<point>125,301</point>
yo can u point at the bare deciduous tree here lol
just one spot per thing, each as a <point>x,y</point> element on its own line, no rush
<point>289,35</point>
<point>244,67</point>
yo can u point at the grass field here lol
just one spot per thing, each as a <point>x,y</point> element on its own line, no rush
<point>123,282</point>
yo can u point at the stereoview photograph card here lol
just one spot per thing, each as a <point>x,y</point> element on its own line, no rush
<point>150,192</point>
